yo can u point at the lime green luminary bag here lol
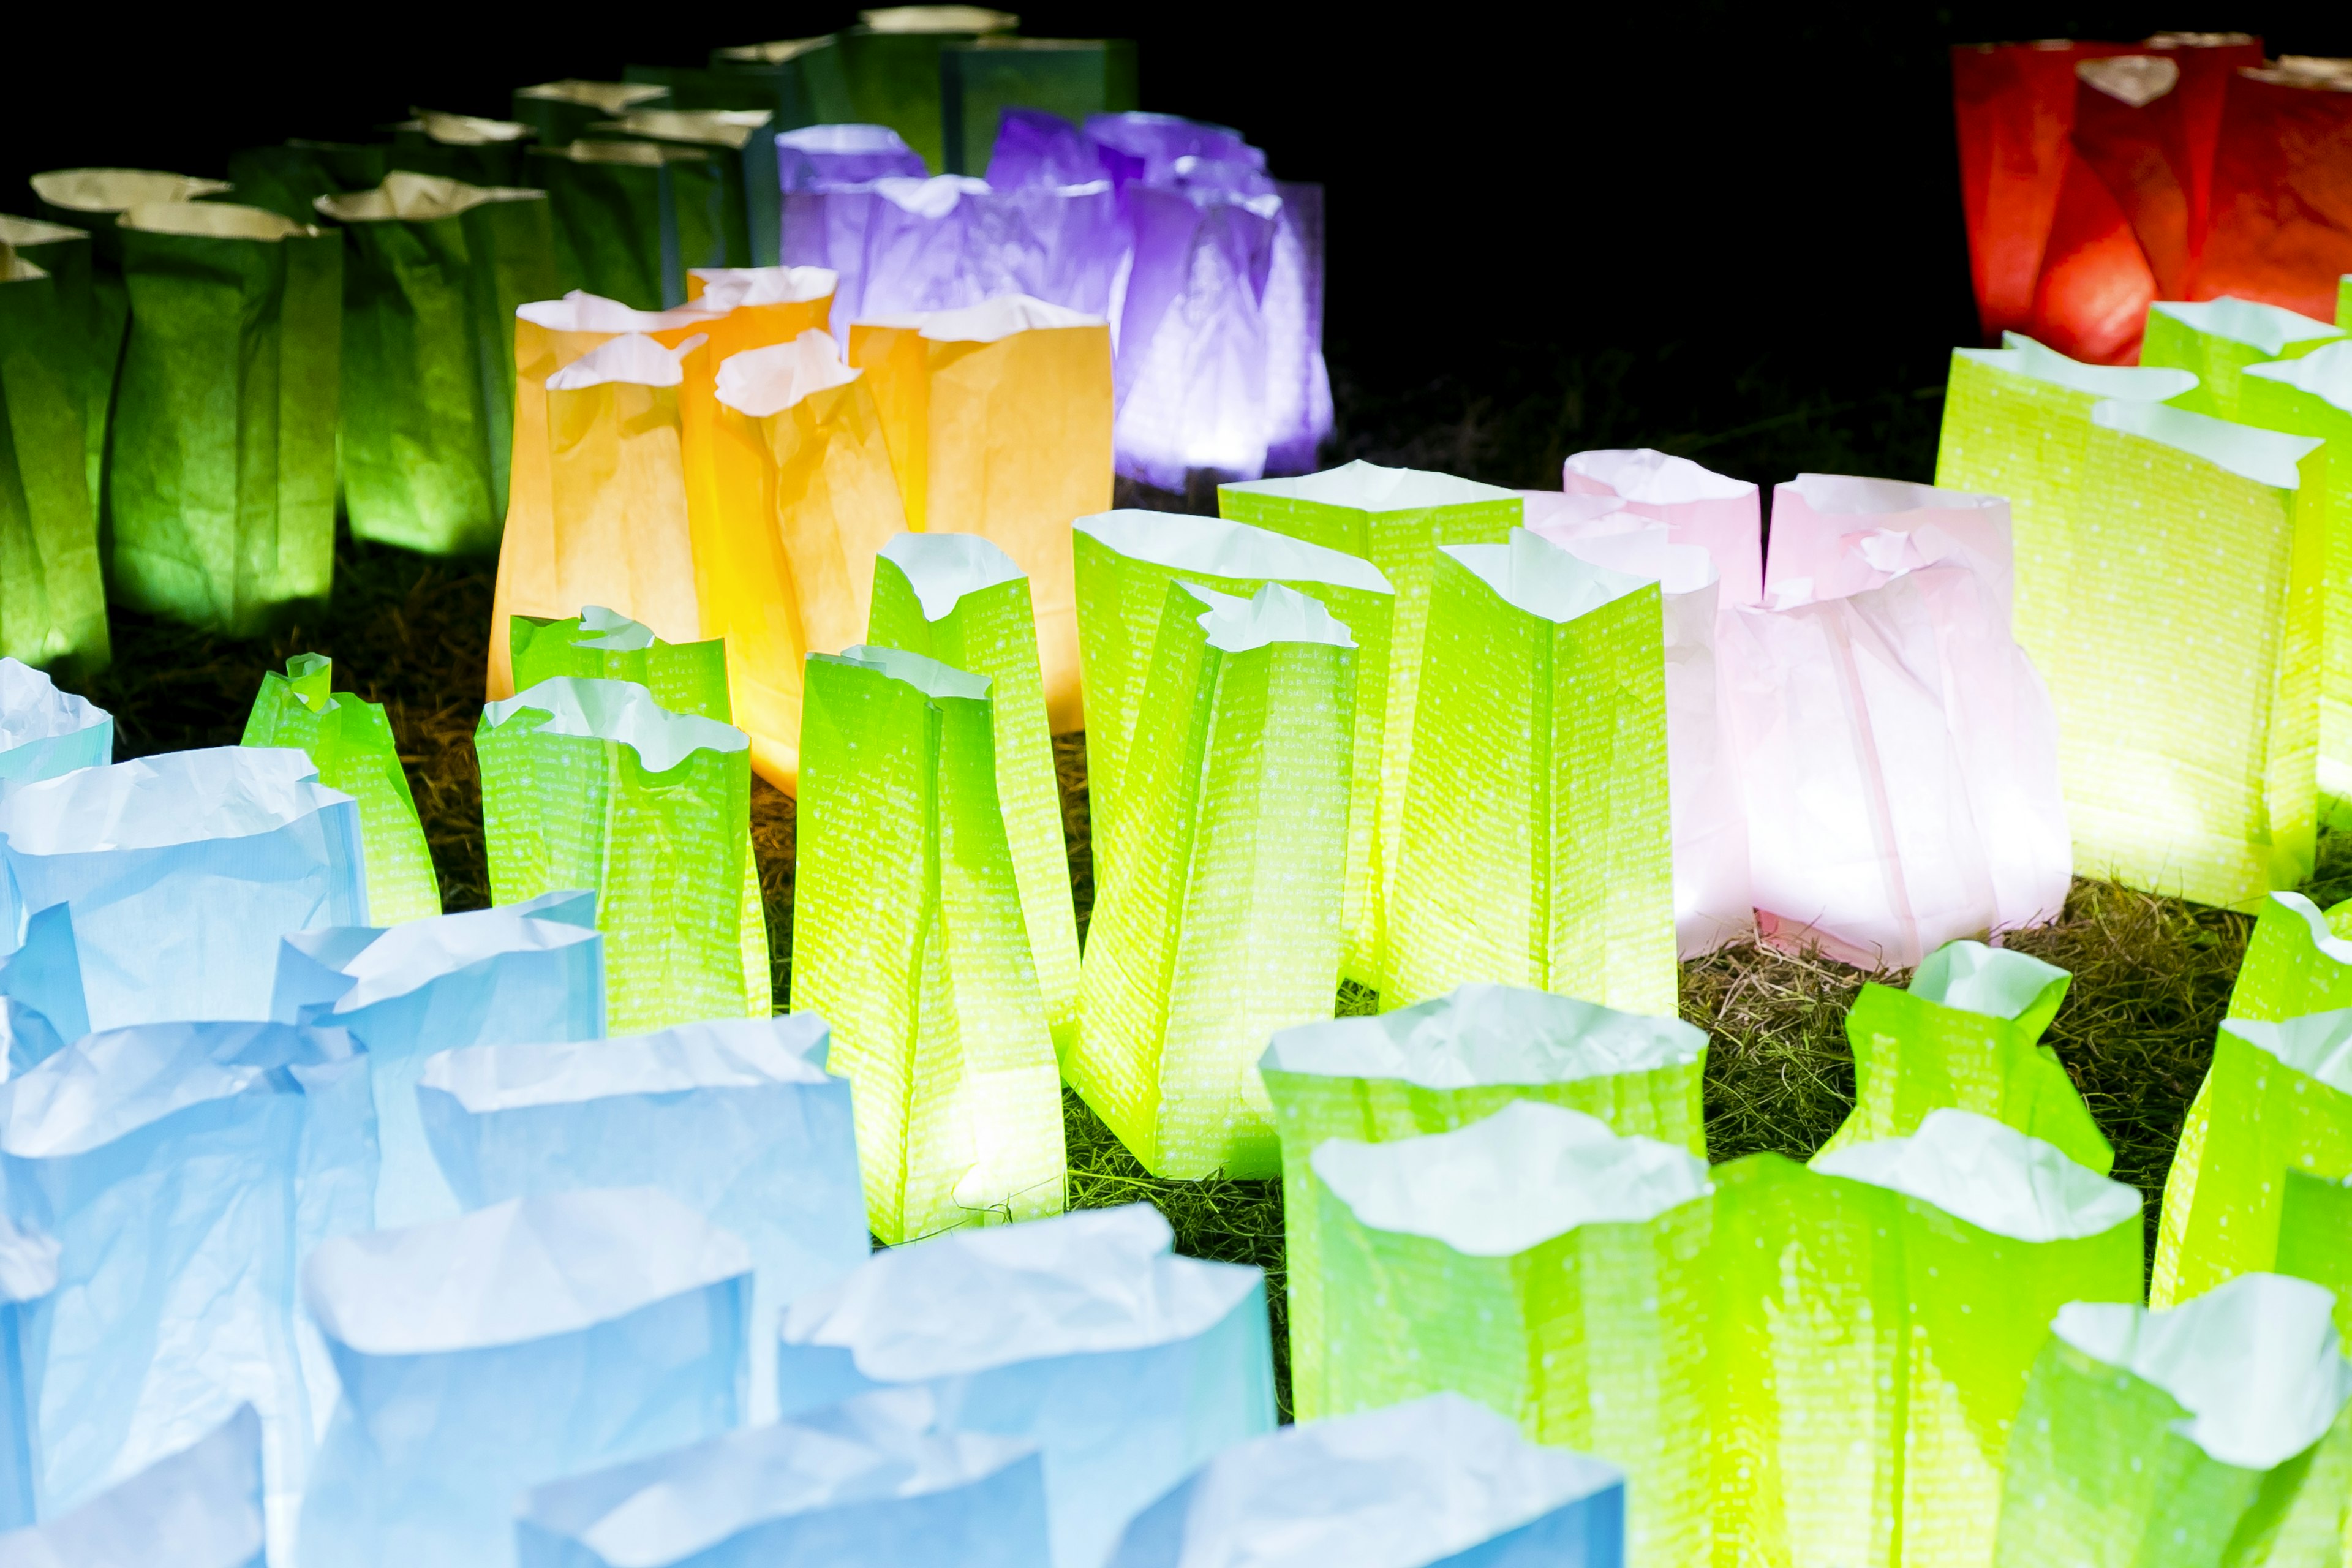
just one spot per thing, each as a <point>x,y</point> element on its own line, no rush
<point>1967,1034</point>
<point>1550,1269</point>
<point>65,254</point>
<point>632,218</point>
<point>957,598</point>
<point>1536,848</point>
<point>2298,960</point>
<point>461,147</point>
<point>1220,924</point>
<point>431,283</point>
<point>558,112</point>
<point>2220,340</point>
<point>52,594</point>
<point>1444,1064</point>
<point>2316,1237</point>
<point>353,744</point>
<point>908,937</point>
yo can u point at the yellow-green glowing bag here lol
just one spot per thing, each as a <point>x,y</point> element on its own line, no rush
<point>2298,960</point>
<point>1545,1266</point>
<point>908,937</point>
<point>1535,845</point>
<point>2316,1237</point>
<point>1221,922</point>
<point>52,594</point>
<point>1444,1064</point>
<point>2220,340</point>
<point>68,255</point>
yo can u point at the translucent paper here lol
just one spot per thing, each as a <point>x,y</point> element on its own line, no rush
<point>908,936</point>
<point>198,1507</point>
<point>892,65</point>
<point>818,155</point>
<point>45,731</point>
<point>1536,846</point>
<point>1125,1366</point>
<point>184,869</point>
<point>2279,188</point>
<point>2220,340</point>
<point>487,1354</point>
<point>42,1008</point>
<point>740,144</point>
<point>1434,1480</point>
<point>53,597</point>
<point>28,1271</point>
<point>89,314</point>
<point>2313,396</point>
<point>353,744</point>
<point>738,1120</point>
<point>1221,921</point>
<point>2295,964</point>
<point>991,77</point>
<point>1581,1257</point>
<point>2315,1237</point>
<point>461,147</point>
<point>1720,514</point>
<point>1444,1064</point>
<point>559,111</point>
<point>631,218</point>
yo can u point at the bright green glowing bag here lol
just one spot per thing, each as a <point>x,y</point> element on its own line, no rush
<point>1069,77</point>
<point>959,599</point>
<point>491,152</point>
<point>2212,1436</point>
<point>892,65</point>
<point>2298,960</point>
<point>1537,847</point>
<point>2316,1237</point>
<point>1967,1034</point>
<point>2313,396</point>
<point>741,144</point>
<point>1550,1269</point>
<point>1874,1319</point>
<point>290,178</point>
<point>558,112</point>
<point>592,785</point>
<point>908,937</point>
<point>1125,562</point>
<point>431,283</point>
<point>632,218</point>
<point>2220,340</point>
<point>68,254</point>
<point>52,594</point>
<point>1220,924</point>
<point>1444,1064</point>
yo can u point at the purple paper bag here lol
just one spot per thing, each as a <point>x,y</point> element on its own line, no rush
<point>819,155</point>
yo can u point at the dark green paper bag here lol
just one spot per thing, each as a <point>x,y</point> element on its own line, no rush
<point>559,111</point>
<point>52,598</point>
<point>742,144</point>
<point>289,179</point>
<point>64,253</point>
<point>461,147</point>
<point>1069,77</point>
<point>893,64</point>
<point>632,218</point>
<point>802,79</point>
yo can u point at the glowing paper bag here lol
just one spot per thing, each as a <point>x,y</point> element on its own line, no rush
<point>631,218</point>
<point>198,1507</point>
<point>741,146</point>
<point>1536,846</point>
<point>893,64</point>
<point>2316,1237</point>
<point>52,594</point>
<point>221,461</point>
<point>2175,1435</point>
<point>1444,1064</point>
<point>352,743</point>
<point>1433,1481</point>
<point>557,111</point>
<point>1221,922</point>
<point>1720,514</point>
<point>92,325</point>
<point>2313,396</point>
<point>2295,964</point>
<point>1875,1320</point>
<point>184,869</point>
<point>2220,340</point>
<point>908,936</point>
<point>487,1355</point>
<point>737,1118</point>
<point>460,147</point>
<point>42,1008</point>
<point>28,1271</point>
<point>529,972</point>
<point>45,731</point>
<point>1125,1366</point>
<point>2282,229</point>
<point>592,784</point>
<point>603,645</point>
<point>873,1483</point>
<point>816,156</point>
<point>959,599</point>
<point>1579,1256</point>
<point>1125,562</point>
<point>434,274</point>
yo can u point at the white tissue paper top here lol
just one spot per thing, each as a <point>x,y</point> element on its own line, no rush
<point>1655,479</point>
<point>1272,614</point>
<point>724,1053</point>
<point>944,567</point>
<point>2020,355</point>
<point>580,311</point>
<point>1481,1034</point>
<point>1534,574</point>
<point>2317,1045</point>
<point>1216,547</point>
<point>107,1085</point>
<point>2270,328</point>
<point>2325,373</point>
<point>633,359</point>
<point>764,382</point>
<point>1974,978</point>
<point>198,1507</point>
<point>1992,1175</point>
<point>730,288</point>
<point>1366,487</point>
<point>2265,456</point>
<point>989,321</point>
<point>928,675</point>
<point>620,711</point>
<point>33,709</point>
<point>173,797</point>
<point>416,952</point>
<point>614,630</point>
<point>845,138</point>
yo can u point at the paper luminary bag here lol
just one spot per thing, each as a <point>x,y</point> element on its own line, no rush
<point>816,156</point>
<point>1127,1366</point>
<point>2183,1436</point>
<point>558,112</point>
<point>994,75</point>
<point>2311,395</point>
<point>184,869</point>
<point>92,326</point>
<point>908,936</point>
<point>1441,1065</point>
<point>1125,562</point>
<point>45,731</point>
<point>1535,844</point>
<point>28,1271</point>
<point>737,1119</point>
<point>1439,1480</point>
<point>742,148</point>
<point>42,1008</point>
<point>802,77</point>
<point>487,1355</point>
<point>201,1508</point>
<point>1874,1319</point>
<point>288,178</point>
<point>2315,1239</point>
<point>632,217</point>
<point>2220,340</point>
<point>1720,514</point>
<point>591,783</point>
<point>873,1483</point>
<point>892,63</point>
<point>957,598</point>
<point>1581,1257</point>
<point>488,153</point>
<point>52,592</point>
<point>2295,962</point>
<point>434,276</point>
<point>1221,922</point>
<point>2282,231</point>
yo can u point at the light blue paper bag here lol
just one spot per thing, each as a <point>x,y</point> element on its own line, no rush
<point>737,1117</point>
<point>1126,1364</point>
<point>28,1271</point>
<point>41,1004</point>
<point>487,1354</point>
<point>45,731</point>
<point>533,971</point>
<point>184,869</point>
<point>872,1483</point>
<point>199,1507</point>
<point>1440,1482</point>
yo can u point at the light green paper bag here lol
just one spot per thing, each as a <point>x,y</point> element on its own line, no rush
<point>2316,1237</point>
<point>632,218</point>
<point>1221,922</point>
<point>2219,340</point>
<point>1547,1268</point>
<point>592,785</point>
<point>742,145</point>
<point>1966,1033</point>
<point>52,594</point>
<point>1537,847</point>
<point>2313,396</point>
<point>1444,1064</point>
<point>2297,961</point>
<point>67,256</point>
<point>908,937</point>
<point>2212,1436</point>
<point>2278,1097</point>
<point>1125,562</point>
<point>221,466</point>
<point>490,153</point>
<point>431,283</point>
<point>892,65</point>
<point>558,112</point>
<point>353,744</point>
<point>959,599</point>
<point>1069,77</point>
<point>1874,1319</point>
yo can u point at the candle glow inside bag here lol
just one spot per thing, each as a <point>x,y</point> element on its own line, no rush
<point>90,314</point>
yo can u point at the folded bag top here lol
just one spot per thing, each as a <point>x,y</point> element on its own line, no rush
<point>819,155</point>
<point>1995,981</point>
<point>611,97</point>
<point>111,1084</point>
<point>728,128</point>
<point>939,19</point>
<point>1532,573</point>
<point>198,1507</point>
<point>117,190</point>
<point>725,1053</point>
<point>1994,1177</point>
<point>632,359</point>
<point>33,709</point>
<point>213,220</point>
<point>358,966</point>
<point>944,567</point>
<point>991,321</point>
<point>2325,373</point>
<point>2265,456</point>
<point>622,712</point>
<point>2272,329</point>
<point>1651,478</point>
<point>1219,547</point>
<point>765,381</point>
<point>1371,488</point>
<point>176,797</point>
<point>2020,355</point>
<point>466,130</point>
<point>725,288</point>
<point>1482,1034</point>
<point>580,311</point>
<point>407,198</point>
<point>2317,1044</point>
<point>26,232</point>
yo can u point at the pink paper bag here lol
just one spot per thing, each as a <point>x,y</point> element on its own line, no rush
<point>1721,515</point>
